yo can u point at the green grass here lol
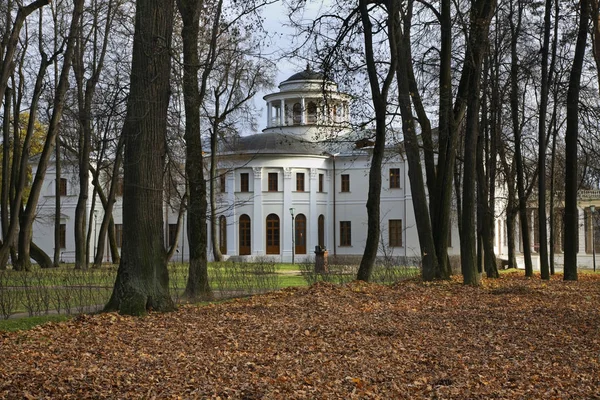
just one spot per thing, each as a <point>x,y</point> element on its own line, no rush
<point>291,281</point>
<point>22,324</point>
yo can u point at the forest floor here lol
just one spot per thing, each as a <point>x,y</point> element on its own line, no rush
<point>512,338</point>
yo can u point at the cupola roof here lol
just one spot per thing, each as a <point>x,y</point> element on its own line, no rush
<point>306,75</point>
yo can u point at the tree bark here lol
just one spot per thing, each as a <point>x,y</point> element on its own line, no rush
<point>108,205</point>
<point>542,230</point>
<point>5,167</point>
<point>379,94</point>
<point>514,103</point>
<point>571,137</point>
<point>142,281</point>
<point>19,168</point>
<point>197,286</point>
<point>401,40</point>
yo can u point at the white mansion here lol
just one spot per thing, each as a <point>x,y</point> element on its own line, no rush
<point>299,184</point>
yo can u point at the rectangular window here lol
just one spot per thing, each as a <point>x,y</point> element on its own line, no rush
<point>395,231</point>
<point>244,182</point>
<point>300,182</point>
<point>119,234</point>
<point>63,236</point>
<point>321,183</point>
<point>222,183</point>
<point>345,183</point>
<point>63,187</point>
<point>345,233</point>
<point>394,178</point>
<point>273,181</point>
<point>172,234</point>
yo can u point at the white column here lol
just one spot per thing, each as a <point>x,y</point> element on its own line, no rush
<point>232,217</point>
<point>302,111</point>
<point>286,217</point>
<point>329,222</point>
<point>581,226</point>
<point>269,112</point>
<point>313,215</point>
<point>282,114</point>
<point>258,222</point>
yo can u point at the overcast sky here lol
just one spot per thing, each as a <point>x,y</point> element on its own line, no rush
<point>284,38</point>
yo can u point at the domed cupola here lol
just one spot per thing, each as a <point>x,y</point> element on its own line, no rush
<point>305,105</point>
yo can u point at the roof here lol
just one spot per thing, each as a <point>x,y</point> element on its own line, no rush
<point>274,143</point>
<point>306,75</point>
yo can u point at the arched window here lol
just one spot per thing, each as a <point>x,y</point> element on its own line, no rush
<point>321,230</point>
<point>223,234</point>
<point>272,234</point>
<point>245,235</point>
<point>300,238</point>
<point>297,111</point>
<point>311,111</point>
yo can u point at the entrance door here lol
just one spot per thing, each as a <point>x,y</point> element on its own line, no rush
<point>272,234</point>
<point>300,238</point>
<point>245,235</point>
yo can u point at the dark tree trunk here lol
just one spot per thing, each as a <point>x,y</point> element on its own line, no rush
<point>379,94</point>
<point>485,215</point>
<point>142,281</point>
<point>514,102</point>
<point>197,286</point>
<point>571,134</point>
<point>214,235</point>
<point>57,202</point>
<point>441,196</point>
<point>5,168</point>
<point>401,40</point>
<point>85,96</point>
<point>542,232</point>
<point>481,15</point>
<point>108,204</point>
<point>19,168</point>
<point>40,257</point>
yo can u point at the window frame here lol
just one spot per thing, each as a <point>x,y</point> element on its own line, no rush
<point>245,235</point>
<point>62,238</point>
<point>244,182</point>
<point>119,235</point>
<point>345,233</point>
<point>63,186</point>
<point>273,234</point>
<point>345,183</point>
<point>395,233</point>
<point>300,182</point>
<point>222,183</point>
<point>394,178</point>
<point>172,232</point>
<point>321,183</point>
<point>273,182</point>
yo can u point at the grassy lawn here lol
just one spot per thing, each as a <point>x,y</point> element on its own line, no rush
<point>20,324</point>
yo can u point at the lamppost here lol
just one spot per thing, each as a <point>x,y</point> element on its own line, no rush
<point>293,236</point>
<point>592,209</point>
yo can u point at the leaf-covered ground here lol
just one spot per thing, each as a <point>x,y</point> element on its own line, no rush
<point>511,339</point>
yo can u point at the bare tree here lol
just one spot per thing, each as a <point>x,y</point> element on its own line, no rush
<point>571,135</point>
